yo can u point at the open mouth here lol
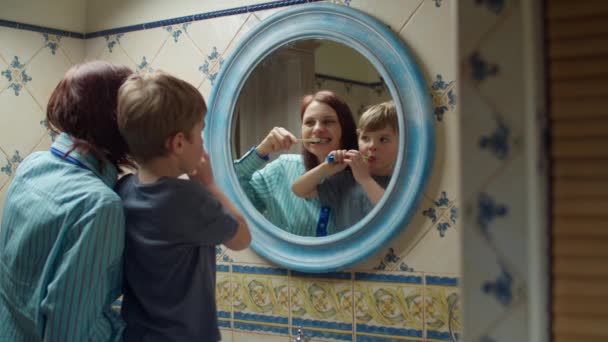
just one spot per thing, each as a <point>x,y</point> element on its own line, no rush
<point>320,140</point>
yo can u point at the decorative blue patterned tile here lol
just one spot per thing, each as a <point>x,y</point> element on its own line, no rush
<point>488,211</point>
<point>144,66</point>
<point>481,69</point>
<point>444,214</point>
<point>444,98</point>
<point>220,254</point>
<point>112,40</point>
<point>494,6</point>
<point>16,75</point>
<point>213,59</point>
<point>11,165</point>
<point>497,142</point>
<point>392,262</point>
<point>177,30</point>
<point>51,41</point>
<point>500,288</point>
<point>52,134</point>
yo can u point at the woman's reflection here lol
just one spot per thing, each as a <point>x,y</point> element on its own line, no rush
<point>351,193</point>
<point>325,118</point>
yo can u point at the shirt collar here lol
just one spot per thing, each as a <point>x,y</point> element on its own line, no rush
<point>63,143</point>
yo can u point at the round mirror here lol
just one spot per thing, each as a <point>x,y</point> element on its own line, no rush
<point>272,97</point>
<point>299,51</point>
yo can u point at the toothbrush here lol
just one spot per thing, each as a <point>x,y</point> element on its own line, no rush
<point>330,158</point>
<point>314,140</point>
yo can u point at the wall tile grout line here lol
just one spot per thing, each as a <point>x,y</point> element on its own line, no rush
<point>158,23</point>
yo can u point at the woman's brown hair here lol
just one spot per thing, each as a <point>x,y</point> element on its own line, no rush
<point>345,118</point>
<point>84,104</point>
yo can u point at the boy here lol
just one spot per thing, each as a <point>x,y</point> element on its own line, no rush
<point>173,224</point>
<point>351,194</point>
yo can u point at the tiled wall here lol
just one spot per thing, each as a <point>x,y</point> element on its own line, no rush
<point>409,291</point>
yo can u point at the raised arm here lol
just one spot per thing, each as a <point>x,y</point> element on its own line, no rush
<point>306,185</point>
<point>361,174</point>
<point>254,161</point>
<point>204,175</point>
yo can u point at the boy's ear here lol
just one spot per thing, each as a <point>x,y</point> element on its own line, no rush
<point>175,143</point>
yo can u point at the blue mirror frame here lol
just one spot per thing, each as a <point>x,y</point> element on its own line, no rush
<point>402,76</point>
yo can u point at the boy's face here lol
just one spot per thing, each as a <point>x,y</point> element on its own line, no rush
<point>381,148</point>
<point>193,147</point>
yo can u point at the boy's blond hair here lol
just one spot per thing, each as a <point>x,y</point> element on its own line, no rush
<point>153,107</point>
<point>379,116</point>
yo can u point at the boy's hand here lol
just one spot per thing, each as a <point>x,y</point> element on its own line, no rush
<point>360,169</point>
<point>203,172</point>
<point>278,139</point>
<point>337,164</point>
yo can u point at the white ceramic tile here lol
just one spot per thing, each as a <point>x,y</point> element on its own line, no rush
<point>392,257</point>
<point>488,141</point>
<point>263,15</point>
<point>248,23</point>
<point>94,47</point>
<point>46,71</point>
<point>3,80</point>
<point>483,305</point>
<point>508,232</point>
<point>6,168</point>
<point>239,336</point>
<point>116,54</point>
<point>20,117</point>
<point>513,327</point>
<point>428,35</point>
<point>144,43</point>
<point>20,43</point>
<point>182,59</point>
<point>217,33</point>
<point>73,48</point>
<point>393,13</point>
<point>3,190</point>
<point>248,256</point>
<point>44,143</point>
<point>435,253</point>
<point>504,90</point>
<point>475,19</point>
<point>445,173</point>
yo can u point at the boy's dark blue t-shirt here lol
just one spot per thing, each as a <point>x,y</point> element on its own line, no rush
<point>346,199</point>
<point>172,228</point>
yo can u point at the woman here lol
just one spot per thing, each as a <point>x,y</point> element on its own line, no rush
<point>325,118</point>
<point>62,234</point>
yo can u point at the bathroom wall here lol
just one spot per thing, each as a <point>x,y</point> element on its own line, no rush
<point>409,291</point>
<point>33,60</point>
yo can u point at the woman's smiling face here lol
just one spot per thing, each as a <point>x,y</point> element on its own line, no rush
<point>321,121</point>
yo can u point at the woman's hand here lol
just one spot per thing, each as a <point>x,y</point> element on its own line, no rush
<point>359,167</point>
<point>278,139</point>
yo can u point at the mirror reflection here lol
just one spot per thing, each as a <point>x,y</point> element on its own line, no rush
<point>315,137</point>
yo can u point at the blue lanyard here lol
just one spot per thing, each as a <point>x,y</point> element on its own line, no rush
<point>323,219</point>
<point>68,158</point>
